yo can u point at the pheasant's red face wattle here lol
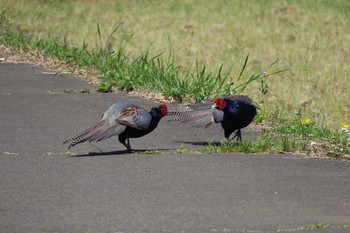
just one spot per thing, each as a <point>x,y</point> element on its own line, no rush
<point>163,109</point>
<point>220,103</point>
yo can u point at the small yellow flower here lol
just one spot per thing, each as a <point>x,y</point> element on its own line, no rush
<point>308,121</point>
<point>345,125</point>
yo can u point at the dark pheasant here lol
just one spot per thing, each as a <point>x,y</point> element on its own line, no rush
<point>122,119</point>
<point>234,113</point>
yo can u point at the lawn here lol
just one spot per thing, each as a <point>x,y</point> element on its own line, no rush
<point>312,40</point>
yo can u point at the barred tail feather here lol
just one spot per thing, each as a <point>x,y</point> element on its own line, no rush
<point>193,118</point>
<point>89,134</point>
<point>201,106</point>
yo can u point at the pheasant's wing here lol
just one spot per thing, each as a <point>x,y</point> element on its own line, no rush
<point>114,112</point>
<point>241,99</point>
<point>135,117</point>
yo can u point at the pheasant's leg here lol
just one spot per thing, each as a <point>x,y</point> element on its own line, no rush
<point>239,135</point>
<point>128,147</point>
<point>122,140</point>
<point>124,144</point>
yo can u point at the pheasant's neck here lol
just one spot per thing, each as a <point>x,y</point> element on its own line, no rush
<point>154,122</point>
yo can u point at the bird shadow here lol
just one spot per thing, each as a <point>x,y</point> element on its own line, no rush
<point>118,152</point>
<point>201,143</point>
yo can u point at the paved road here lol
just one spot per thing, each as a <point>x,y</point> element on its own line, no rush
<point>42,189</point>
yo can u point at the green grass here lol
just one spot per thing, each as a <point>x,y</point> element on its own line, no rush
<point>317,226</point>
<point>184,150</point>
<point>299,229</point>
<point>76,91</point>
<point>266,143</point>
<point>151,152</point>
<point>311,39</point>
<point>118,70</point>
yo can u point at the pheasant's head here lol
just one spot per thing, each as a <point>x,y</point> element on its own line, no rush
<point>163,109</point>
<point>220,104</point>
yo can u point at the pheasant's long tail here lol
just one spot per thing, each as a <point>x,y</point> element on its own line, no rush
<point>201,118</point>
<point>91,134</point>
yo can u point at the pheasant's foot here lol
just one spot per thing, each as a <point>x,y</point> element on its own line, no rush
<point>129,151</point>
<point>101,151</point>
<point>237,135</point>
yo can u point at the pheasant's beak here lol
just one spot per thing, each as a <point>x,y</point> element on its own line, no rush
<point>214,106</point>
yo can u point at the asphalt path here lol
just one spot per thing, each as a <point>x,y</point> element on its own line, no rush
<point>46,188</point>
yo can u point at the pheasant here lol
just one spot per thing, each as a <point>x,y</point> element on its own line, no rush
<point>123,119</point>
<point>234,113</point>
